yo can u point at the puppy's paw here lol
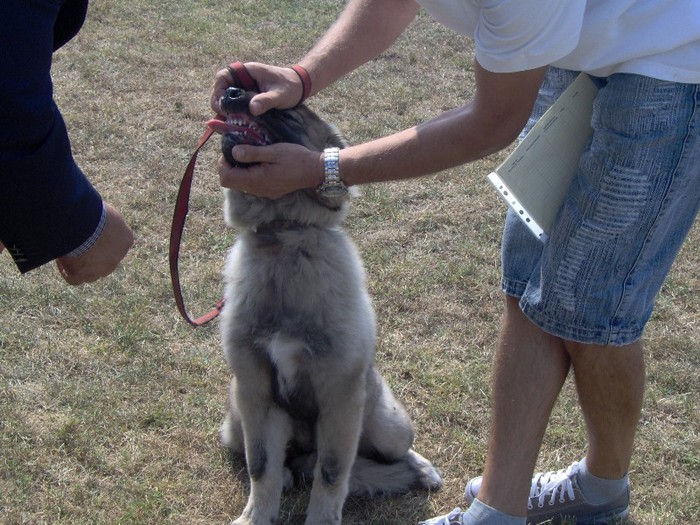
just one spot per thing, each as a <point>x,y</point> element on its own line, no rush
<point>428,476</point>
<point>246,519</point>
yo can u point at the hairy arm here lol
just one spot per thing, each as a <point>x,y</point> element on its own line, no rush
<point>488,123</point>
<point>364,29</point>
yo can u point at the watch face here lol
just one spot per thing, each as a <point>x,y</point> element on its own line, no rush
<point>333,191</point>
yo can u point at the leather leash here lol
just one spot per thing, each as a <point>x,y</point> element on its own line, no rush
<point>242,78</point>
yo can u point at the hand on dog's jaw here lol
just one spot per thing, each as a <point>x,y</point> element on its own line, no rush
<point>273,170</point>
<point>280,88</point>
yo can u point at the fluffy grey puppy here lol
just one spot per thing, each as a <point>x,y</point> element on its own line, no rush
<point>298,331</point>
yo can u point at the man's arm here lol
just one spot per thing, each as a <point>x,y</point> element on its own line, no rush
<point>489,122</point>
<point>363,30</point>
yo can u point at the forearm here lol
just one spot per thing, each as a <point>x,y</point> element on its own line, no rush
<point>364,30</point>
<point>485,124</point>
<point>438,144</point>
<point>488,123</point>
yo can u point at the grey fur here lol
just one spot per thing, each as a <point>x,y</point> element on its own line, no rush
<point>298,332</point>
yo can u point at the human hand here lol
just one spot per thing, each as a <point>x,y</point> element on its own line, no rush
<point>103,257</point>
<point>280,87</point>
<point>279,169</point>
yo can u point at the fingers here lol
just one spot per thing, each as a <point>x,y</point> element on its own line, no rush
<point>250,154</point>
<point>254,179</point>
<point>267,156</point>
<point>222,80</point>
<point>280,87</point>
<point>267,100</point>
<point>274,171</point>
<point>71,273</point>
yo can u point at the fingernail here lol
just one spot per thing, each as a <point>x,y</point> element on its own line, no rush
<point>254,107</point>
<point>238,153</point>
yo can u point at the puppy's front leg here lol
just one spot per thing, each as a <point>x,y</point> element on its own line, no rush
<point>265,453</point>
<point>338,433</point>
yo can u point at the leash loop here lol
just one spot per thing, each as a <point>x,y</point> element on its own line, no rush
<point>242,78</point>
<point>178,225</point>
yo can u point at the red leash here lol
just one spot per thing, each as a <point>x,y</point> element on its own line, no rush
<point>181,209</point>
<point>241,78</point>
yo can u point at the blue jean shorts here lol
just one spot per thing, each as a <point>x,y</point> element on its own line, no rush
<point>631,205</point>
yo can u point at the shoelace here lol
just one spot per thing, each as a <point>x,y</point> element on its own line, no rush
<point>552,484</point>
<point>453,518</point>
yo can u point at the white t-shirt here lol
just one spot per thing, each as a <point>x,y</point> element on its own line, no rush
<point>655,38</point>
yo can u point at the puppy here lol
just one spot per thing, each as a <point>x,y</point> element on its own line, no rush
<point>298,331</point>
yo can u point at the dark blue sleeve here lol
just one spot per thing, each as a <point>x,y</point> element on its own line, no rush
<point>47,205</point>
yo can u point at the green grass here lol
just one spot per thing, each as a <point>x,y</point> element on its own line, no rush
<point>110,404</point>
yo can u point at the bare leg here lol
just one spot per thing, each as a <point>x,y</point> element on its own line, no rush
<point>530,368</point>
<point>529,371</point>
<point>610,384</point>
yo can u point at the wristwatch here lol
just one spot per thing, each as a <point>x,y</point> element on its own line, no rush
<point>332,186</point>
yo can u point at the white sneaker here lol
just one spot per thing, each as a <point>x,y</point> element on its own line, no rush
<point>453,518</point>
<point>556,495</point>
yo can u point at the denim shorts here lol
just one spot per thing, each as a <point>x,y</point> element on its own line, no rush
<point>631,205</point>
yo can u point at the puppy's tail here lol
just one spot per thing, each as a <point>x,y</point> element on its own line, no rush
<point>413,471</point>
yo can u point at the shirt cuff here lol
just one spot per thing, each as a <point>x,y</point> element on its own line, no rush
<point>83,248</point>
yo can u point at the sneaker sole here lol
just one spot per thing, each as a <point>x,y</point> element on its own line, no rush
<point>609,517</point>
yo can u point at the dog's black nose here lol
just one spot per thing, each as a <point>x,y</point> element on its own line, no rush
<point>234,93</point>
<point>235,100</point>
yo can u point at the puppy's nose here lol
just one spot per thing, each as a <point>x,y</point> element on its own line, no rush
<point>234,93</point>
<point>235,100</point>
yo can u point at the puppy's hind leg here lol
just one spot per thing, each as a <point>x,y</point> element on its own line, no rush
<point>370,477</point>
<point>387,464</point>
<point>387,431</point>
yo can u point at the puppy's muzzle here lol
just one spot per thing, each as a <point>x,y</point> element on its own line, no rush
<point>240,127</point>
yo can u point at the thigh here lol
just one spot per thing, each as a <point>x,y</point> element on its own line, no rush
<point>387,431</point>
<point>626,216</point>
<point>521,250</point>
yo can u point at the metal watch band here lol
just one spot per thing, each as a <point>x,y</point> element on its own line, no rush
<point>332,185</point>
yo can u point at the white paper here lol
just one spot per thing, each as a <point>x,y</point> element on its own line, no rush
<point>536,176</point>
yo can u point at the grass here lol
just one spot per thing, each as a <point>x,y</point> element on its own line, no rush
<point>110,404</point>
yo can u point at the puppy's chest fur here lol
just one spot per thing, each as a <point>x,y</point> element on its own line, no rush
<point>294,293</point>
<point>289,276</point>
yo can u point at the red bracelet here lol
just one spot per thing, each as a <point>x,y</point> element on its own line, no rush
<point>305,82</point>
